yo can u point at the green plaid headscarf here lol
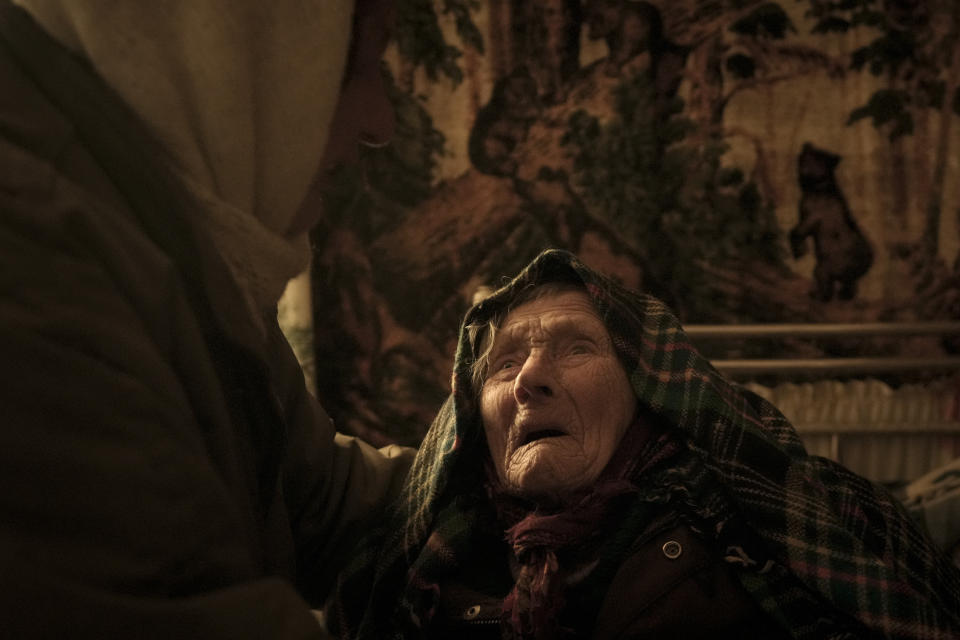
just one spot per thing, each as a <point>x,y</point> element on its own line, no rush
<point>824,552</point>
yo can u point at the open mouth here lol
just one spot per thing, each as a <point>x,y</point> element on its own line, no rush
<point>540,434</point>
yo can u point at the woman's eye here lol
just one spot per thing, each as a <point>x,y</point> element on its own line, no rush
<point>504,364</point>
<point>578,348</point>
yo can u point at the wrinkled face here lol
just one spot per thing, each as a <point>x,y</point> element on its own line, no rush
<point>556,401</point>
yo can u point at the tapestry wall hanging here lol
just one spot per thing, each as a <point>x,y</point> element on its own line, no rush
<point>745,161</point>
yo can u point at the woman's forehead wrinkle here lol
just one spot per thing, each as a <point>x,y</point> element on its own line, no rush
<point>547,320</point>
<point>527,329</point>
<point>538,328</point>
<point>514,334</point>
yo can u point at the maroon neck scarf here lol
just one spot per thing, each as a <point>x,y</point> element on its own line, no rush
<point>531,611</point>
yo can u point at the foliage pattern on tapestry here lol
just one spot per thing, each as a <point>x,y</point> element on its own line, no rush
<point>745,161</point>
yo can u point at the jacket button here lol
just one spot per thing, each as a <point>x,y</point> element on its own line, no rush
<point>472,612</point>
<point>672,549</point>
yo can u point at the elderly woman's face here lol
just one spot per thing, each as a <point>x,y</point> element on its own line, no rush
<point>556,401</point>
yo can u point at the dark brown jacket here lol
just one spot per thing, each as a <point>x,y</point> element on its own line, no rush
<point>669,587</point>
<point>163,472</point>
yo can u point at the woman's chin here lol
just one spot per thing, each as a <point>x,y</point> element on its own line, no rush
<point>548,484</point>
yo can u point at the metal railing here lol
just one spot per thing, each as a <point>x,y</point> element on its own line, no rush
<point>838,365</point>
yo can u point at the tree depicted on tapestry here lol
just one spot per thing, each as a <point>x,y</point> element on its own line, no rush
<point>378,376</point>
<point>626,157</point>
<point>916,52</point>
<point>605,127</point>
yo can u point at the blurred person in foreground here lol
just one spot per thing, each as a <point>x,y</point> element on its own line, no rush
<point>592,476</point>
<point>163,470</point>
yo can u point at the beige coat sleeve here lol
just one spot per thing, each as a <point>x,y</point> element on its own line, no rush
<point>336,486</point>
<point>124,496</point>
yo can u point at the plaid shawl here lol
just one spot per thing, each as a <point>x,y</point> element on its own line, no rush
<point>824,552</point>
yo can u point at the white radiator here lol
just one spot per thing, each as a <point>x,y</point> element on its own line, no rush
<point>889,435</point>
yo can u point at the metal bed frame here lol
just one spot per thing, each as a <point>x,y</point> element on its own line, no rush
<point>828,366</point>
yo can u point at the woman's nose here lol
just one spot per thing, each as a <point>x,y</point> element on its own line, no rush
<point>535,380</point>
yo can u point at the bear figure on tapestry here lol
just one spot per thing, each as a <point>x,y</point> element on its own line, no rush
<point>842,250</point>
